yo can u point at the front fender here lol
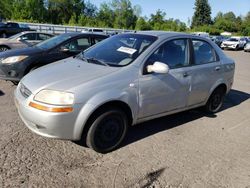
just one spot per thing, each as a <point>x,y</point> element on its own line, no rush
<point>129,97</point>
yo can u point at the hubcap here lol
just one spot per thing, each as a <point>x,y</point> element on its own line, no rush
<point>2,49</point>
<point>216,101</point>
<point>109,131</point>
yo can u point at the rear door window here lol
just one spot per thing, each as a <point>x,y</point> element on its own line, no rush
<point>203,52</point>
<point>79,44</point>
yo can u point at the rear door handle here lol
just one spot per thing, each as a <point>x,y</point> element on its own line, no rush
<point>217,68</point>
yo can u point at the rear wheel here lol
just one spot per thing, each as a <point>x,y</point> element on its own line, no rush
<point>215,101</point>
<point>4,48</point>
<point>107,130</point>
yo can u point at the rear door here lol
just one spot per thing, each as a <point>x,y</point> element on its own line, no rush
<point>206,70</point>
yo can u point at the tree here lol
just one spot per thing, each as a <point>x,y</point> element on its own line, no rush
<point>5,10</point>
<point>202,14</point>
<point>61,11</point>
<point>124,14</point>
<point>230,16</point>
<point>142,24</point>
<point>105,15</point>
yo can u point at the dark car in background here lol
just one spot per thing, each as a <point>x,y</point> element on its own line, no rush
<point>218,39</point>
<point>12,28</point>
<point>14,64</point>
<point>23,39</point>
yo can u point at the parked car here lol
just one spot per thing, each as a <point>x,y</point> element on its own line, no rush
<point>122,81</point>
<point>247,47</point>
<point>12,28</point>
<point>23,39</point>
<point>92,30</point>
<point>235,43</point>
<point>14,64</point>
<point>218,39</point>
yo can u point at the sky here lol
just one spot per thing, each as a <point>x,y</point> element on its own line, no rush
<point>184,9</point>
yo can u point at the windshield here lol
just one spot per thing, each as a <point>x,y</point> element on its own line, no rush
<point>119,50</point>
<point>53,42</point>
<point>233,39</point>
<point>14,37</point>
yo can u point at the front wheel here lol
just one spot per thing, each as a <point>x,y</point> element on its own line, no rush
<point>215,101</point>
<point>3,48</point>
<point>107,130</point>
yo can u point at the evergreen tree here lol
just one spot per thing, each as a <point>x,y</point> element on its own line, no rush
<point>202,14</point>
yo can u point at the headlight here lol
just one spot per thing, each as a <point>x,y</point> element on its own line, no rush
<point>55,97</point>
<point>14,59</point>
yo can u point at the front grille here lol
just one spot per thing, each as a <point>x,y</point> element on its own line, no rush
<point>24,91</point>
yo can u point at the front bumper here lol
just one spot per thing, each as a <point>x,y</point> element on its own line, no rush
<point>247,49</point>
<point>48,124</point>
<point>10,72</point>
<point>228,46</point>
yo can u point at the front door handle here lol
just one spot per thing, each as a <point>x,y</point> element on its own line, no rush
<point>217,68</point>
<point>185,74</point>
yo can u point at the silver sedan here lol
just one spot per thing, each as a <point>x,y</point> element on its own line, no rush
<point>23,40</point>
<point>121,81</point>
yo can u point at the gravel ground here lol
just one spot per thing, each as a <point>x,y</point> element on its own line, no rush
<point>189,149</point>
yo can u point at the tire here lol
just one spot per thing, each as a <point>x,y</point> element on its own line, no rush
<point>215,101</point>
<point>4,48</point>
<point>15,82</point>
<point>107,131</point>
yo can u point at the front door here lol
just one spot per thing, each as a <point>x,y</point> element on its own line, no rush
<point>160,93</point>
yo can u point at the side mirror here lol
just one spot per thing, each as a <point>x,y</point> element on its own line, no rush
<point>22,39</point>
<point>158,67</point>
<point>65,50</point>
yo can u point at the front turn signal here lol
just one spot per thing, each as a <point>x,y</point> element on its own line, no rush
<point>50,109</point>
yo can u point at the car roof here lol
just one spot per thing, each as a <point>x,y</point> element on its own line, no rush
<point>25,32</point>
<point>168,34</point>
<point>74,34</point>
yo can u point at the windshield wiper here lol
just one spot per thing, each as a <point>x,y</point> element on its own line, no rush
<point>96,61</point>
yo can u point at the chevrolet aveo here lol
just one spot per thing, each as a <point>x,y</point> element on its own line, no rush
<point>122,81</point>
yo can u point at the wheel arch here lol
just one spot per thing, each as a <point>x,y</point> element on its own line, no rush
<point>216,86</point>
<point>81,131</point>
<point>4,45</point>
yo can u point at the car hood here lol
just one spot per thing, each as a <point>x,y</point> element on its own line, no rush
<point>230,42</point>
<point>23,51</point>
<point>65,75</point>
<point>3,40</point>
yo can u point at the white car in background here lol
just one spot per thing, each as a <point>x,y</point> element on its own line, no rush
<point>234,43</point>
